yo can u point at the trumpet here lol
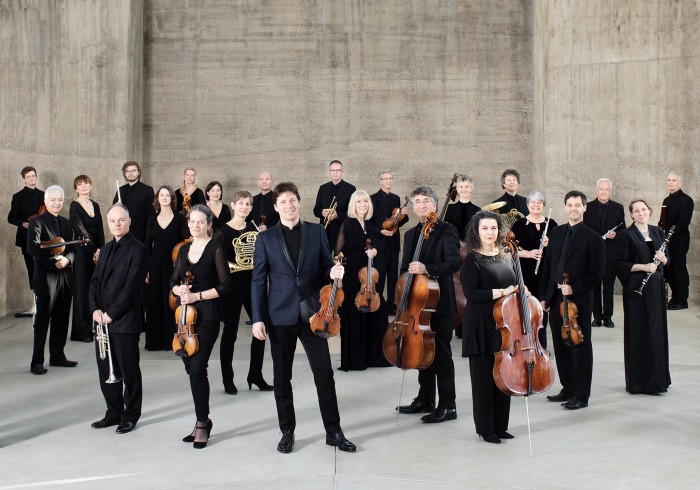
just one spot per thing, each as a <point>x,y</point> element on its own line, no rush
<point>105,350</point>
<point>331,210</point>
<point>244,246</point>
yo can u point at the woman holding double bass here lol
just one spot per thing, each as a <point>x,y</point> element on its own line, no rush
<point>204,259</point>
<point>487,275</point>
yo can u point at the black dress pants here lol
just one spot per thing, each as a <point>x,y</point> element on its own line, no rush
<point>388,268</point>
<point>603,308</point>
<point>231,309</point>
<point>29,263</point>
<point>677,270</point>
<point>283,341</point>
<point>53,309</point>
<point>491,406</point>
<point>442,371</point>
<point>196,366</point>
<point>124,397</point>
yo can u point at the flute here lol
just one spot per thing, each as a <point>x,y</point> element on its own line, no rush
<point>544,234</point>
<point>656,261</point>
<point>605,235</point>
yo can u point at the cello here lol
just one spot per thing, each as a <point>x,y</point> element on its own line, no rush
<point>522,366</point>
<point>408,342</point>
<point>185,341</point>
<point>570,331</point>
<point>326,321</point>
<point>367,299</point>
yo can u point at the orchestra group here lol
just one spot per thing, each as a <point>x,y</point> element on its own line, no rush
<point>179,262</point>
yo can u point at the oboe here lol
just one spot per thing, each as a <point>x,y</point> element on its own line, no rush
<point>656,261</point>
<point>544,234</point>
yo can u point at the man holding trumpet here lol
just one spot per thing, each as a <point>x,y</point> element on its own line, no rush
<point>115,302</point>
<point>332,202</point>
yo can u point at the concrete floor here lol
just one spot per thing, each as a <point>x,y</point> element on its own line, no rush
<point>619,441</point>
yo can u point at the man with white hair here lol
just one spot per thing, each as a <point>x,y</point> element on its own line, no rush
<point>678,212</point>
<point>51,281</point>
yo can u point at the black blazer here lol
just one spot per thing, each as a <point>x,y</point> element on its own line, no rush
<point>585,263</point>
<point>323,201</point>
<point>116,290</point>
<point>632,249</point>
<point>383,206</point>
<point>440,255</point>
<point>138,199</point>
<point>616,215</point>
<point>679,212</point>
<point>24,204</point>
<point>278,289</point>
<point>46,275</point>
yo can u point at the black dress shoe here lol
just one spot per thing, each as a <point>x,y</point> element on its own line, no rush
<point>37,369</point>
<point>492,438</point>
<point>63,363</point>
<point>440,415</point>
<point>103,423</point>
<point>596,323</point>
<point>560,397</point>
<point>504,435</point>
<point>676,306</point>
<point>608,323</point>
<point>125,427</point>
<point>230,388</point>
<point>575,404</point>
<point>338,440</point>
<point>286,444</point>
<point>417,406</point>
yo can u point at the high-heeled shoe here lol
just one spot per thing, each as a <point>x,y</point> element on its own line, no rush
<point>190,437</point>
<point>492,438</point>
<point>260,383</point>
<point>201,428</point>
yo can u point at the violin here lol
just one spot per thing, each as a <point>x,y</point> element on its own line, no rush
<point>570,331</point>
<point>185,341</point>
<point>172,299</point>
<point>367,299</point>
<point>326,321</point>
<point>57,245</point>
<point>42,210</point>
<point>408,342</point>
<point>187,204</point>
<point>522,365</point>
<point>392,222</point>
<point>263,219</point>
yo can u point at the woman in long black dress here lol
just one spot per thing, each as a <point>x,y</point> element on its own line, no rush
<point>487,275</point>
<point>222,213</point>
<point>87,222</point>
<point>206,260</point>
<point>646,328</point>
<point>361,333</point>
<point>460,212</point>
<point>239,298</point>
<point>163,231</point>
<point>528,232</point>
<point>189,188</point>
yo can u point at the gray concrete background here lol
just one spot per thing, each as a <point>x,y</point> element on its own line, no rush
<point>564,91</point>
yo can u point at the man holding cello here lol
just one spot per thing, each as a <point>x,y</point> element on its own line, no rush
<point>438,259</point>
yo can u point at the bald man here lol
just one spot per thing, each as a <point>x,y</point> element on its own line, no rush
<point>263,204</point>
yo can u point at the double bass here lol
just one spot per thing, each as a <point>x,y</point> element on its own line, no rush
<point>185,341</point>
<point>326,321</point>
<point>522,365</point>
<point>367,299</point>
<point>408,342</point>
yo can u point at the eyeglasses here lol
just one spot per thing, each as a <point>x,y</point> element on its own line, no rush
<point>131,170</point>
<point>387,178</point>
<point>336,170</point>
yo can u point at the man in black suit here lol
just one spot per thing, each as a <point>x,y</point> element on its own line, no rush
<point>263,205</point>
<point>678,212</point>
<point>336,191</point>
<point>579,251</point>
<point>389,244</point>
<point>138,199</point>
<point>605,217</point>
<point>438,259</point>
<point>25,203</point>
<point>115,302</point>
<point>510,181</point>
<point>52,282</point>
<point>292,262</point>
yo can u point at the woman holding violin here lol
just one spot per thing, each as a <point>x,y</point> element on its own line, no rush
<point>189,194</point>
<point>87,222</point>
<point>222,213</point>
<point>361,332</point>
<point>460,212</point>
<point>231,305</point>
<point>640,256</point>
<point>163,231</point>
<point>204,259</point>
<point>487,275</point>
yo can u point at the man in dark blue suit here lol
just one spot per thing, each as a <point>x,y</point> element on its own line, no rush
<point>115,301</point>
<point>292,262</point>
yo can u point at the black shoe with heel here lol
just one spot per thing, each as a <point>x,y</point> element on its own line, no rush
<point>230,388</point>
<point>260,383</point>
<point>190,437</point>
<point>492,438</point>
<point>202,428</point>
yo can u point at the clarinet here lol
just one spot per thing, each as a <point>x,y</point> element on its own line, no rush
<point>640,290</point>
<point>544,234</point>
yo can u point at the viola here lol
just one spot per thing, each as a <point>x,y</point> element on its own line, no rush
<point>570,331</point>
<point>408,342</point>
<point>57,245</point>
<point>522,365</point>
<point>392,222</point>
<point>367,299</point>
<point>326,321</point>
<point>185,341</point>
